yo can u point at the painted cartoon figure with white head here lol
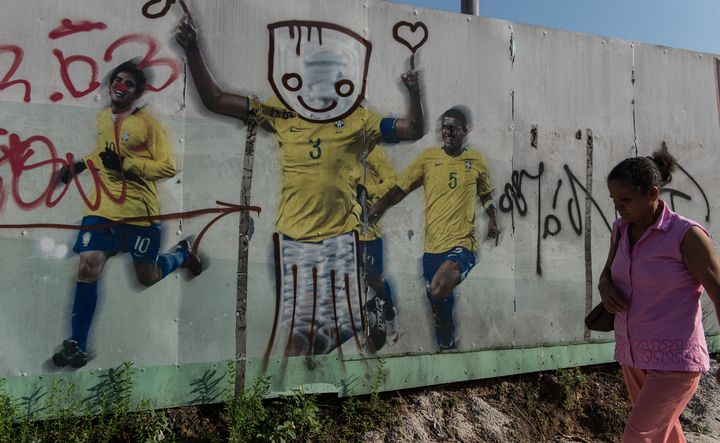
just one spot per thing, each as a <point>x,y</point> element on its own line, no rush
<point>317,71</point>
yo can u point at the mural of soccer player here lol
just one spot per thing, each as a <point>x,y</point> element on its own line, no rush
<point>132,154</point>
<point>452,175</point>
<point>317,71</point>
<point>378,177</point>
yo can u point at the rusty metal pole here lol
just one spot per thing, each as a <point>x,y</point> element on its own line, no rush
<point>244,233</point>
<point>471,7</point>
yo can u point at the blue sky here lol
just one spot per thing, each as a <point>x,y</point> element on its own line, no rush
<point>687,24</point>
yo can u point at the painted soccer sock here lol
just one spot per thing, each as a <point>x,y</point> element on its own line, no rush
<point>444,321</point>
<point>86,294</point>
<point>389,311</point>
<point>172,260</point>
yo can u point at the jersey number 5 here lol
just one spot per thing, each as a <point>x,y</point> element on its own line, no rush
<point>453,180</point>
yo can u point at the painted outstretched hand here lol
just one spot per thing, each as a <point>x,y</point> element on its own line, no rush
<point>110,159</point>
<point>186,33</point>
<point>67,172</point>
<point>493,230</point>
<point>411,80</point>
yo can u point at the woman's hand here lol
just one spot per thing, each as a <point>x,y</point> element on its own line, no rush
<point>613,300</point>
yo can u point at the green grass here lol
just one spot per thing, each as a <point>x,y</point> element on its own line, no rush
<point>111,415</point>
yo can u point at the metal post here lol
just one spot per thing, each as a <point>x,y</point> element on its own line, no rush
<point>471,7</point>
<point>244,233</point>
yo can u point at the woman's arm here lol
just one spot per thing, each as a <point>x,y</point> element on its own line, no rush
<point>612,299</point>
<point>701,260</point>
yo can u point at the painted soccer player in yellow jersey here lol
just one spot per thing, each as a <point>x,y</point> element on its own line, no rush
<point>452,176</point>
<point>378,177</point>
<point>132,152</point>
<point>317,71</point>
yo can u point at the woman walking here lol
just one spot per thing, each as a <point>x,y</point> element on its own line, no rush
<point>653,281</point>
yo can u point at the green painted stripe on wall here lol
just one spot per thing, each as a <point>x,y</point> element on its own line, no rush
<point>161,386</point>
<point>356,376</point>
<point>205,383</point>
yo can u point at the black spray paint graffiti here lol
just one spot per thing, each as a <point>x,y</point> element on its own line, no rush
<point>676,193</point>
<point>514,200</point>
<point>150,11</point>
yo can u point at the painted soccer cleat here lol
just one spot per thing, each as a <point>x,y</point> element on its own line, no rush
<point>192,263</point>
<point>71,354</point>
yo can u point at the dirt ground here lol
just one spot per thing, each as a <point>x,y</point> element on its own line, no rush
<point>585,405</point>
<point>575,405</point>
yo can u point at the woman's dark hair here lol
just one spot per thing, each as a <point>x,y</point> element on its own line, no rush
<point>132,68</point>
<point>641,173</point>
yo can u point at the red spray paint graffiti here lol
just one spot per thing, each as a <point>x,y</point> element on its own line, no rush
<point>68,27</point>
<point>25,156</point>
<point>76,88</point>
<point>5,82</point>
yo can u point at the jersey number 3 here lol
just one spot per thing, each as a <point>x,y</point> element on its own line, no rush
<point>315,152</point>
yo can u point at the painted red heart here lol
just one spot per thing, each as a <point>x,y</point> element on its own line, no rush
<point>413,27</point>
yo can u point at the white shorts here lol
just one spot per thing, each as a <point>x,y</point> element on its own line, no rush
<point>318,315</point>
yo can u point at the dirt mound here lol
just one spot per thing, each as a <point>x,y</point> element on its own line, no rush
<point>571,405</point>
<point>585,405</point>
<point>701,419</point>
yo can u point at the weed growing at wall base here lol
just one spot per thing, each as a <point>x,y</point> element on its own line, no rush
<point>70,419</point>
<point>572,380</point>
<point>251,418</point>
<point>302,416</point>
<point>108,414</point>
<point>8,411</point>
<point>245,412</point>
<point>359,416</point>
<point>295,418</point>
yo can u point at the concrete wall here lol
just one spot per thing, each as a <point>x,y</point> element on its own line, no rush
<point>553,112</point>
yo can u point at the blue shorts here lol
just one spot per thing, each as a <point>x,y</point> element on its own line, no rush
<point>143,242</point>
<point>432,262</point>
<point>372,253</point>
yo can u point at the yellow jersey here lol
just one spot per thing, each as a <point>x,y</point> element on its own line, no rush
<point>380,177</point>
<point>451,185</point>
<point>319,168</point>
<point>147,157</point>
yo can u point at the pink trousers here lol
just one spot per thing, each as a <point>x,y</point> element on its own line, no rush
<point>658,398</point>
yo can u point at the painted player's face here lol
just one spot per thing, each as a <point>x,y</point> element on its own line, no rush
<point>453,133</point>
<point>123,91</point>
<point>317,69</point>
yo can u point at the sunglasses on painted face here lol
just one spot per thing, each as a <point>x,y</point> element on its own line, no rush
<point>453,129</point>
<point>127,82</point>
